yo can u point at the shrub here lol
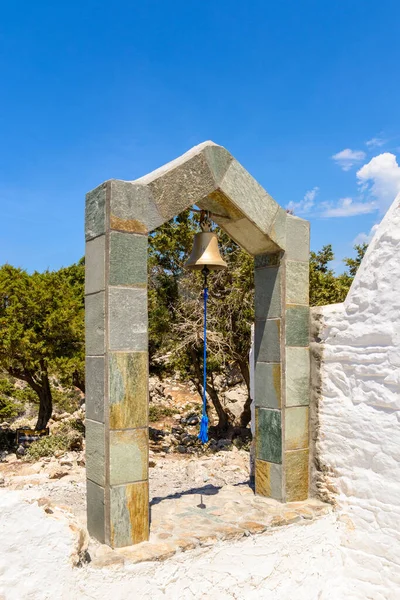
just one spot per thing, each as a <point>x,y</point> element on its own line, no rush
<point>157,412</point>
<point>47,446</point>
<point>10,407</point>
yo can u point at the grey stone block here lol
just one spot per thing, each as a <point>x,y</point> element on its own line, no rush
<point>176,189</point>
<point>95,265</point>
<point>95,212</point>
<point>129,456</point>
<point>268,385</point>
<point>95,452</point>
<point>297,239</point>
<point>94,391</point>
<point>128,259</point>
<point>297,376</point>
<point>267,341</point>
<point>94,324</point>
<point>132,208</point>
<point>95,501</point>
<point>297,277</point>
<point>267,285</point>
<point>278,229</point>
<point>128,319</point>
<point>129,514</point>
<point>219,160</point>
<point>248,195</point>
<point>267,260</point>
<point>296,427</point>
<point>298,326</point>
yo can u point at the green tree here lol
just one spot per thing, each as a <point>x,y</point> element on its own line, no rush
<point>41,328</point>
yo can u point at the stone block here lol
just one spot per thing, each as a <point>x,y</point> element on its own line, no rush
<point>128,397</point>
<point>176,189</point>
<point>296,475</point>
<point>297,276</point>
<point>268,480</point>
<point>128,319</point>
<point>247,235</point>
<point>267,340</point>
<point>267,286</point>
<point>297,326</point>
<point>248,195</point>
<point>129,456</point>
<point>95,452</point>
<point>267,260</point>
<point>297,239</point>
<point>278,229</point>
<point>94,324</point>
<point>269,435</point>
<point>296,428</point>
<point>129,514</point>
<point>268,385</point>
<point>219,160</point>
<point>128,259</point>
<point>95,212</point>
<point>94,265</point>
<point>132,208</point>
<point>95,501</point>
<point>297,376</point>
<point>94,392</point>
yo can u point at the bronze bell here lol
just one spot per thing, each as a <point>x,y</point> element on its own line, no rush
<point>205,251</point>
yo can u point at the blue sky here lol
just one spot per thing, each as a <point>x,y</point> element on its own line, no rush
<point>94,90</point>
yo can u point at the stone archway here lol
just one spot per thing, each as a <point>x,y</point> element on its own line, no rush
<point>119,217</point>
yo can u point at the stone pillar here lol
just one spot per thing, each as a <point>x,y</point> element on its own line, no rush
<point>116,370</point>
<point>282,367</point>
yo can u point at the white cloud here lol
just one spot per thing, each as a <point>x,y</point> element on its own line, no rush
<point>375,142</point>
<point>347,208</point>
<point>347,158</point>
<point>380,178</point>
<point>305,205</point>
<point>365,238</point>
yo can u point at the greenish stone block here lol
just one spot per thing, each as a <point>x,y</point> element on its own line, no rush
<point>297,376</point>
<point>268,480</point>
<point>267,285</point>
<point>298,326</point>
<point>297,276</point>
<point>247,194</point>
<point>219,160</point>
<point>95,501</point>
<point>128,259</point>
<point>129,456</point>
<point>296,428</point>
<point>193,176</point>
<point>128,390</point>
<point>94,390</point>
<point>95,212</point>
<point>132,207</point>
<point>267,341</point>
<point>95,265</point>
<point>297,239</point>
<point>268,385</point>
<point>267,260</point>
<point>269,435</point>
<point>128,319</point>
<point>94,324</point>
<point>129,514</point>
<point>95,451</point>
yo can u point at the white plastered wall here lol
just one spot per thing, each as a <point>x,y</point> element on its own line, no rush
<point>356,415</point>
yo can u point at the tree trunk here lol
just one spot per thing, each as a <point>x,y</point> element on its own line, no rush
<point>45,403</point>
<point>245,417</point>
<point>223,420</point>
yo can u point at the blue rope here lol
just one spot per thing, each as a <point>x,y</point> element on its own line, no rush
<point>203,435</point>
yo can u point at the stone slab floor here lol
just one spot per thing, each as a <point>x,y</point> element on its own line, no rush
<point>203,517</point>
